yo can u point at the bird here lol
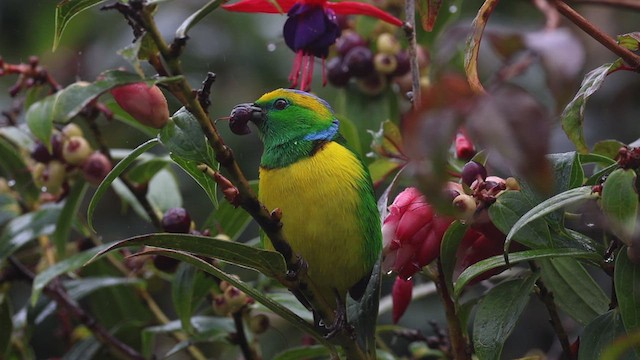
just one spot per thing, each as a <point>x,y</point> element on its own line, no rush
<point>323,190</point>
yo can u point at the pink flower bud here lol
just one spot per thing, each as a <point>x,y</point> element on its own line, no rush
<point>401,296</point>
<point>464,147</point>
<point>145,104</point>
<point>411,234</point>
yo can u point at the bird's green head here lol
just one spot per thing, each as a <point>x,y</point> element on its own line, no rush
<point>286,116</point>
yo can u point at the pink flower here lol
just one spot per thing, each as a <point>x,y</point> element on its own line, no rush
<point>401,296</point>
<point>144,103</point>
<point>310,29</point>
<point>411,234</point>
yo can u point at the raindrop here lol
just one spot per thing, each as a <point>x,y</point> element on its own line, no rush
<point>11,183</point>
<point>389,272</point>
<point>271,47</point>
<point>453,9</point>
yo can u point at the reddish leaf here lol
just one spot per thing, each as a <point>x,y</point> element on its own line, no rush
<point>429,12</point>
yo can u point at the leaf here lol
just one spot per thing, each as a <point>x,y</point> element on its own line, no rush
<point>619,203</point>
<point>182,288</point>
<point>548,206</point>
<point>508,209</point>
<point>6,324</point>
<point>381,168</point>
<point>627,286</point>
<point>448,249</point>
<point>568,171</point>
<point>473,44</point>
<point>164,192</point>
<point>71,263</point>
<point>621,345</point>
<point>429,12</point>
<point>113,174</point>
<point>496,261</point>
<point>9,208</point>
<point>85,349</point>
<point>195,18</point>
<point>363,314</point>
<point>303,352</point>
<point>13,164</point>
<point>67,10</point>
<point>630,41</point>
<point>599,334</point>
<point>608,148</point>
<point>383,201</point>
<point>574,290</point>
<point>288,300</point>
<point>67,103</point>
<point>183,137</point>
<point>497,314</point>
<point>22,229</point>
<point>573,115</point>
<point>387,142</point>
<point>270,263</point>
<point>144,171</point>
<point>68,215</point>
<point>277,308</point>
<point>206,183</point>
<point>141,49</point>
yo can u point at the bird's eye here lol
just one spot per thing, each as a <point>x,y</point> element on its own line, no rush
<point>280,104</point>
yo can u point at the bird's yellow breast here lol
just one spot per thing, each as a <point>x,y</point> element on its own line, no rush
<point>319,198</point>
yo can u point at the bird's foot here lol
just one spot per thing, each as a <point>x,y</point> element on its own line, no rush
<point>340,321</point>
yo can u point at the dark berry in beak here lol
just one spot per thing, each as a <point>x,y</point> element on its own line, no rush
<point>240,117</point>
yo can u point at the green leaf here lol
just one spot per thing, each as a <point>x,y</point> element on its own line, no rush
<point>164,192</point>
<point>9,208</point>
<point>596,178</point>
<point>182,288</point>
<point>630,41</point>
<point>573,114</point>
<point>627,284</point>
<point>568,171</point>
<point>183,137</point>
<point>599,334</point>
<point>381,168</point>
<point>6,325</point>
<point>67,103</point>
<point>69,264</point>
<point>497,314</point>
<point>113,174</point>
<point>497,261</point>
<point>85,349</point>
<point>509,209</point>
<point>67,10</point>
<point>574,290</point>
<point>257,295</point>
<point>270,263</point>
<point>143,172</point>
<point>619,202</point>
<point>288,300</point>
<point>303,352</point>
<point>206,183</point>
<point>68,216</point>
<point>195,18</point>
<point>608,148</point>
<point>546,207</point>
<point>22,229</point>
<point>363,314</point>
<point>141,49</point>
<point>13,164</point>
<point>621,345</point>
<point>448,249</point>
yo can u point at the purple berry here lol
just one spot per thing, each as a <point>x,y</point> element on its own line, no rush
<point>359,61</point>
<point>404,65</point>
<point>96,168</point>
<point>239,120</point>
<point>337,74</point>
<point>57,143</point>
<point>471,171</point>
<point>41,154</point>
<point>176,220</point>
<point>348,41</point>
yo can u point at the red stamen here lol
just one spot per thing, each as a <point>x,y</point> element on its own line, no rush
<point>324,72</point>
<point>295,70</point>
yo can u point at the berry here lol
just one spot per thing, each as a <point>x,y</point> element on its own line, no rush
<point>235,298</point>
<point>176,220</point>
<point>239,120</point>
<point>76,150</point>
<point>72,129</point>
<point>337,74</point>
<point>465,205</point>
<point>50,176</point>
<point>220,305</point>
<point>372,85</point>
<point>259,323</point>
<point>359,61</point>
<point>96,168</point>
<point>388,44</point>
<point>403,64</point>
<point>57,143</point>
<point>385,63</point>
<point>41,154</point>
<point>471,171</point>
<point>348,41</point>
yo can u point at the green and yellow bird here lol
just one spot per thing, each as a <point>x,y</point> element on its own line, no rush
<point>322,187</point>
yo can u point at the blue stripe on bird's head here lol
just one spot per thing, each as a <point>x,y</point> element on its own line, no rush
<point>287,115</point>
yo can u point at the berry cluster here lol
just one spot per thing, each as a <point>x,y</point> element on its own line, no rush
<point>70,153</point>
<point>373,65</point>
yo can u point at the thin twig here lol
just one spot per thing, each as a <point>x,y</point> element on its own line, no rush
<point>629,4</point>
<point>58,294</point>
<point>459,348</point>
<point>628,56</point>
<point>410,31</point>
<point>241,337</point>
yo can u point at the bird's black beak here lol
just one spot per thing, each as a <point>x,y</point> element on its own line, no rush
<point>241,115</point>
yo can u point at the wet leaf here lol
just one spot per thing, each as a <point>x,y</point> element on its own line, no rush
<point>608,148</point>
<point>67,10</point>
<point>627,284</point>
<point>449,248</point>
<point>599,334</point>
<point>144,171</point>
<point>13,164</point>
<point>164,192</point>
<point>429,12</point>
<point>619,202</point>
<point>68,216</point>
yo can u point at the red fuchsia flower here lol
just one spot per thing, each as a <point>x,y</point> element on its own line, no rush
<point>401,295</point>
<point>412,233</point>
<point>310,29</point>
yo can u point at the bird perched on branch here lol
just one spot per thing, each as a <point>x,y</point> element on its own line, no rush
<point>323,189</point>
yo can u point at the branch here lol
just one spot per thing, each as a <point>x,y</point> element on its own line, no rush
<point>58,294</point>
<point>627,55</point>
<point>629,4</point>
<point>459,349</point>
<point>241,337</point>
<point>410,31</point>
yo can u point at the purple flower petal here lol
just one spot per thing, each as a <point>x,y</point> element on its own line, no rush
<point>311,28</point>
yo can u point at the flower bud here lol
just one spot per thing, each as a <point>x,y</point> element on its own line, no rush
<point>96,168</point>
<point>235,298</point>
<point>220,306</point>
<point>76,150</point>
<point>464,147</point>
<point>401,296</point>
<point>176,220</point>
<point>465,205</point>
<point>411,234</point>
<point>388,44</point>
<point>144,103</point>
<point>259,323</point>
